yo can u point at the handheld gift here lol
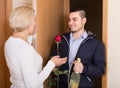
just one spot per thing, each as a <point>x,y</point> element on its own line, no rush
<point>75,77</point>
<point>57,41</point>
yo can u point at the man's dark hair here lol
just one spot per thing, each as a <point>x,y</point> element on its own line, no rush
<point>81,10</point>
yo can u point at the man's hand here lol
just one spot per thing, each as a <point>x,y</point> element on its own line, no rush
<point>78,67</point>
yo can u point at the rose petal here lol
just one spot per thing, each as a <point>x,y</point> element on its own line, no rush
<point>58,38</point>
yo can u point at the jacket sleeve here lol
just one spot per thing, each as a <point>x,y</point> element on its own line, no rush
<point>97,67</point>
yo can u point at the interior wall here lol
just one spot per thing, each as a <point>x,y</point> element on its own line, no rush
<point>113,44</point>
<point>2,39</point>
<point>17,3</point>
<point>50,23</point>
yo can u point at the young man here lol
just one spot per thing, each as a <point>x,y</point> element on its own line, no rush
<point>80,43</point>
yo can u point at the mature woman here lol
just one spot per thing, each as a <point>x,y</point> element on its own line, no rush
<point>24,62</point>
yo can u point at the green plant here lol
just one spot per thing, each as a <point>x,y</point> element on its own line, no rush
<point>53,79</point>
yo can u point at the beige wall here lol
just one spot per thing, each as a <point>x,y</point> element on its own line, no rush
<point>113,44</point>
<point>17,3</point>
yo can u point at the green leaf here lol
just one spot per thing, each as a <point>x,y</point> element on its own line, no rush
<point>54,77</point>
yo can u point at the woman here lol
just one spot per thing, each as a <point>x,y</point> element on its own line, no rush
<point>24,62</point>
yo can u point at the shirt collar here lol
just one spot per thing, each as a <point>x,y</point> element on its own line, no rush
<point>84,35</point>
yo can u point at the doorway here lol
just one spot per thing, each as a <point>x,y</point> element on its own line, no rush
<point>94,21</point>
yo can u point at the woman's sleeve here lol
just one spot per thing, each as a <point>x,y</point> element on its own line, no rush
<point>31,77</point>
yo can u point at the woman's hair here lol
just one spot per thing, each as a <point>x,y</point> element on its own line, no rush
<point>21,18</point>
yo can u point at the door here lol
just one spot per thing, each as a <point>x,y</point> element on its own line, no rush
<point>4,33</point>
<point>2,39</point>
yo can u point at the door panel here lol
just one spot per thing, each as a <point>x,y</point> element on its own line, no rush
<point>4,33</point>
<point>2,39</point>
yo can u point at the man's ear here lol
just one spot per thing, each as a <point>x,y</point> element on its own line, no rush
<point>84,20</point>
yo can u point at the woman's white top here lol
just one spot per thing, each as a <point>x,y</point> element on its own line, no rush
<point>25,64</point>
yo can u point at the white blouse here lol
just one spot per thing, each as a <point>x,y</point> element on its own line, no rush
<point>25,64</point>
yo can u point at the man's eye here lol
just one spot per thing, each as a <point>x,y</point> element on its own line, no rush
<point>74,19</point>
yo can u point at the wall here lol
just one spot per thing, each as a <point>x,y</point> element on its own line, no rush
<point>2,39</point>
<point>113,44</point>
<point>50,23</point>
<point>17,3</point>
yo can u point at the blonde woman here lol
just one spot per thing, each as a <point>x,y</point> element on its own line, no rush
<point>24,62</point>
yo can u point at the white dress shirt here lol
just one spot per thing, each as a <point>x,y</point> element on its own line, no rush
<point>25,64</point>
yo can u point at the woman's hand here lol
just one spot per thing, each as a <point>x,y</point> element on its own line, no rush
<point>58,61</point>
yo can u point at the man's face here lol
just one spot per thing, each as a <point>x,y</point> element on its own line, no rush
<point>75,22</point>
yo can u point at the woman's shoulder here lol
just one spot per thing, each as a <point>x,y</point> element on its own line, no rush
<point>17,44</point>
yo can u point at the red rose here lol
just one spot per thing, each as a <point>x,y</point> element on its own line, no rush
<point>58,38</point>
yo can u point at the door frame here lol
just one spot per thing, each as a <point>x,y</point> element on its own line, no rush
<point>105,40</point>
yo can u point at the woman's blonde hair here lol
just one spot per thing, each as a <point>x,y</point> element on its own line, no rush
<point>21,18</point>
